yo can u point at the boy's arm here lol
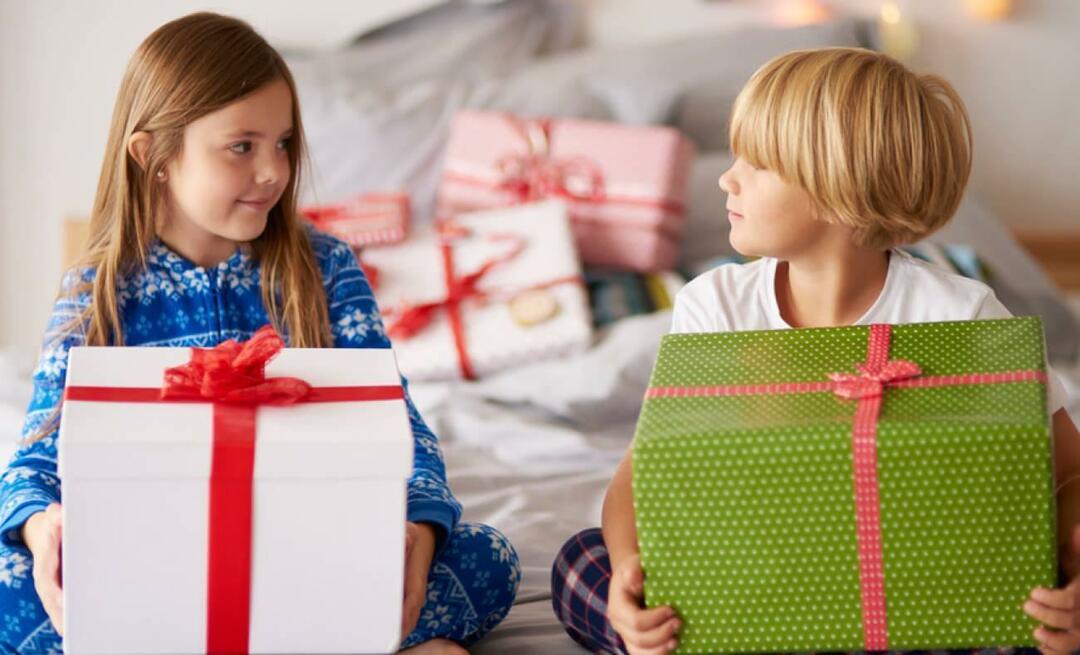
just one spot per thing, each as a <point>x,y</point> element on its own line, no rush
<point>1067,476</point>
<point>617,517</point>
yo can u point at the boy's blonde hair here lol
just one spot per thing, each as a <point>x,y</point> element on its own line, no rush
<point>878,148</point>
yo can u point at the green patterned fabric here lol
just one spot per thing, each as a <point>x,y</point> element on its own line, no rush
<point>745,506</point>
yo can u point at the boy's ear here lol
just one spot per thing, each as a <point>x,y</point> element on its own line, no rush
<point>138,145</point>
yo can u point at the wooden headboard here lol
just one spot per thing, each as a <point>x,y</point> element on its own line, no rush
<point>76,231</point>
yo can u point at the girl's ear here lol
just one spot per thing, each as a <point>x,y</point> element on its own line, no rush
<point>138,145</point>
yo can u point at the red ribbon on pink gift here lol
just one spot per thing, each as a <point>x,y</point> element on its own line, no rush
<point>412,318</point>
<point>867,387</point>
<point>536,173</point>
<point>232,377</point>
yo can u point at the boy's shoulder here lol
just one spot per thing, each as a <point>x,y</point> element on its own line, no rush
<point>731,279</point>
<point>730,296</point>
<point>942,294</point>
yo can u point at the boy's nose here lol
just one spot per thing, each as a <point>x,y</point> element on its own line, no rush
<point>728,184</point>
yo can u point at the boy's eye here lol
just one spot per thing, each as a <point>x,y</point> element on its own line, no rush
<point>241,147</point>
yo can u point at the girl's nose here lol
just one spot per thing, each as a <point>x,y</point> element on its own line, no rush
<point>271,171</point>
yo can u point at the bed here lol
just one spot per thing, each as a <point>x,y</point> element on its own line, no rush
<point>530,450</point>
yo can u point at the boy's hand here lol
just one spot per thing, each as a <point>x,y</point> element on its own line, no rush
<point>419,550</point>
<point>645,632</point>
<point>1059,609</point>
<point>42,536</point>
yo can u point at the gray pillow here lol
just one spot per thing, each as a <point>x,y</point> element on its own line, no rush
<point>707,227</point>
<point>644,83</point>
<point>452,41</point>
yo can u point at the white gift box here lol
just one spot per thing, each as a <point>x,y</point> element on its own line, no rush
<point>414,272</point>
<point>328,509</point>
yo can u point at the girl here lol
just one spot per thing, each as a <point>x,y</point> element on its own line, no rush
<point>841,155</point>
<point>194,240</point>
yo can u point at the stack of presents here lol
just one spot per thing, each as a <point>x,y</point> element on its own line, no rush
<point>544,230</point>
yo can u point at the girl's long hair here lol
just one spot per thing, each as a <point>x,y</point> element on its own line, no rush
<point>184,70</point>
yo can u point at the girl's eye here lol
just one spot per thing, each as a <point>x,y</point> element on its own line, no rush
<point>284,143</point>
<point>241,147</point>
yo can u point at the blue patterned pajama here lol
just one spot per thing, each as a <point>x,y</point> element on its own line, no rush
<point>579,592</point>
<point>174,303</point>
<point>470,589</point>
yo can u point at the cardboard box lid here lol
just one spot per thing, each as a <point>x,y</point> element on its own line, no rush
<point>112,440</point>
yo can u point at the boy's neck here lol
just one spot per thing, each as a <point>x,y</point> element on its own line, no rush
<point>830,290</point>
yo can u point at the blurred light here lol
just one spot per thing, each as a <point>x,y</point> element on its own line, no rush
<point>890,13</point>
<point>899,37</point>
<point>793,13</point>
<point>989,10</point>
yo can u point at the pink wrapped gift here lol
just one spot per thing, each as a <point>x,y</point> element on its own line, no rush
<point>625,186</point>
<point>486,291</point>
<point>364,220</point>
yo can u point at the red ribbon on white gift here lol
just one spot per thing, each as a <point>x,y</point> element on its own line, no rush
<point>362,220</point>
<point>867,387</point>
<point>232,376</point>
<point>412,318</point>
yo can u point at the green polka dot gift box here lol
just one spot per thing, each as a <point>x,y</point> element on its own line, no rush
<point>846,489</point>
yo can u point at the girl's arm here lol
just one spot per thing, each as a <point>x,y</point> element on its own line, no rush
<point>30,483</point>
<point>356,323</point>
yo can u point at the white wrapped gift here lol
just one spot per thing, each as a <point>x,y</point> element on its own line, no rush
<point>532,266</point>
<point>327,484</point>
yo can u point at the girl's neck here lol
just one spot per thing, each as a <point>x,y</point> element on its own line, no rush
<point>830,290</point>
<point>191,242</point>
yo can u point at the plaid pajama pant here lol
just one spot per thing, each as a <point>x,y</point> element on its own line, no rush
<point>579,592</point>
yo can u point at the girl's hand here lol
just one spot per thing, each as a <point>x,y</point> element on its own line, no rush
<point>41,534</point>
<point>645,632</point>
<point>1059,609</point>
<point>419,550</point>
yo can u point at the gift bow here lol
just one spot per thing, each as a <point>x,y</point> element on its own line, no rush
<point>536,174</point>
<point>234,373</point>
<point>871,381</point>
<point>532,176</point>
<point>414,318</point>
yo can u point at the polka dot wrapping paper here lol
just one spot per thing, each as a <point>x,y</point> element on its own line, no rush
<point>748,470</point>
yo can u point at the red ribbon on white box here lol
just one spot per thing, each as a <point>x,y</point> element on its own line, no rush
<point>232,377</point>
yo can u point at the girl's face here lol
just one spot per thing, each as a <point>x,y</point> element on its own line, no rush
<point>232,169</point>
<point>769,217</point>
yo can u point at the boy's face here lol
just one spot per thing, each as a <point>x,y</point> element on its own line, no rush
<point>232,170</point>
<point>769,217</point>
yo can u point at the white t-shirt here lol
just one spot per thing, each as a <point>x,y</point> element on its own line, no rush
<point>736,297</point>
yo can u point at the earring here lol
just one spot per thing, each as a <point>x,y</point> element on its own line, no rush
<point>161,176</point>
